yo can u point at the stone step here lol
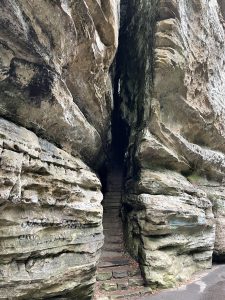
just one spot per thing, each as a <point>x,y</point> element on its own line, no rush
<point>118,205</point>
<point>112,200</point>
<point>113,223</point>
<point>118,275</point>
<point>113,232</point>
<point>117,247</point>
<point>115,181</point>
<point>110,216</point>
<point>136,281</point>
<point>111,213</point>
<point>121,283</point>
<point>116,240</point>
<point>113,285</point>
<point>112,220</point>
<point>130,294</point>
<point>117,186</point>
<point>109,273</point>
<point>110,203</point>
<point>112,207</point>
<point>112,228</point>
<point>108,253</point>
<point>114,176</point>
<point>110,196</point>
<point>115,261</point>
<point>111,210</point>
<point>106,206</point>
<point>112,237</point>
<point>108,228</point>
<point>113,194</point>
<point>132,270</point>
<point>112,246</point>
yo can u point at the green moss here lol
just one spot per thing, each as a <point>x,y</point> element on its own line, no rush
<point>194,178</point>
<point>2,136</point>
<point>170,281</point>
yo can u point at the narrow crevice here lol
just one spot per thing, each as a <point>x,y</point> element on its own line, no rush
<point>120,128</point>
<point>114,256</point>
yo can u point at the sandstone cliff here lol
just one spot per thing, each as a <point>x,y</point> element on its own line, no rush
<point>172,89</point>
<point>55,57</point>
<point>56,105</point>
<point>51,216</point>
<point>54,80</point>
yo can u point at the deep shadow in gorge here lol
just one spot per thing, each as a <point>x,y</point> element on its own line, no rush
<point>115,261</point>
<point>120,128</point>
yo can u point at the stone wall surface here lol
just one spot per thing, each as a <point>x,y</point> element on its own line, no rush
<point>172,89</point>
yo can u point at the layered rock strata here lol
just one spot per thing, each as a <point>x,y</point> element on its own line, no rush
<point>54,81</point>
<point>51,229</point>
<point>55,107</point>
<point>172,88</point>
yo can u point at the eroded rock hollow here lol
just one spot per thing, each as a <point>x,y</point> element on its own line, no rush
<point>58,77</point>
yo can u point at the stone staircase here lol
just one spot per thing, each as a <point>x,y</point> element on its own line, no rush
<point>118,275</point>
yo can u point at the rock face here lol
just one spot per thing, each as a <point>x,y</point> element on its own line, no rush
<point>55,57</point>
<point>51,229</point>
<point>56,93</point>
<point>172,89</point>
<point>55,125</point>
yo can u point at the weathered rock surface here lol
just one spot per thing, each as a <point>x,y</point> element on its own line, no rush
<point>54,80</point>
<point>55,57</point>
<point>215,192</point>
<point>51,229</point>
<point>56,108</point>
<point>172,88</point>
